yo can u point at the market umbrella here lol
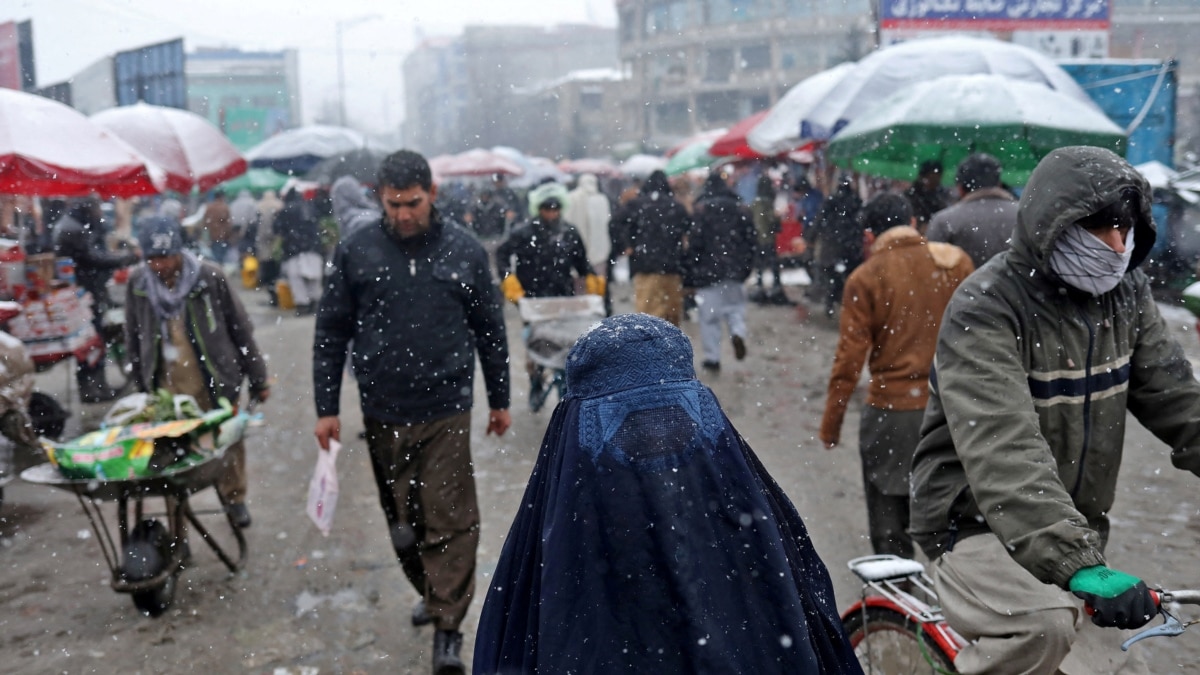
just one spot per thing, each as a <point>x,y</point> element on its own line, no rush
<point>598,167</point>
<point>257,181</point>
<point>477,162</point>
<point>888,70</point>
<point>640,166</point>
<point>951,117</point>
<point>47,148</point>
<point>733,142</point>
<point>298,150</point>
<point>362,164</point>
<point>709,136</point>
<point>695,156</point>
<point>782,129</point>
<point>191,151</point>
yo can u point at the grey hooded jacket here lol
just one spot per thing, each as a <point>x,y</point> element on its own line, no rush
<point>1032,379</point>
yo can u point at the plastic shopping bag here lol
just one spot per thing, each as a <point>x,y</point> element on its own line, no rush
<point>323,490</point>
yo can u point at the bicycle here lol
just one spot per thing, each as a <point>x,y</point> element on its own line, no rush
<point>897,625</point>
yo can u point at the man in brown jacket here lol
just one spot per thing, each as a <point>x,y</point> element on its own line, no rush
<point>219,225</point>
<point>891,311</point>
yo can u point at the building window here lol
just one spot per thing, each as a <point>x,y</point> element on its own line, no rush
<point>672,118</point>
<point>757,57</point>
<point>798,7</point>
<point>666,17</point>
<point>591,98</point>
<point>758,103</point>
<point>628,23</point>
<point>717,12</point>
<point>718,108</point>
<point>796,57</point>
<point>718,65</point>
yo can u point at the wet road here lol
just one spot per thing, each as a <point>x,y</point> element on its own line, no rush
<point>341,604</point>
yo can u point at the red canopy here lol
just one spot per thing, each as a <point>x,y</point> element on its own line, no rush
<point>191,151</point>
<point>733,143</point>
<point>477,162</point>
<point>48,149</point>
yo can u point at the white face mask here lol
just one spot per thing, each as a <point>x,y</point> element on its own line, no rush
<point>1088,264</point>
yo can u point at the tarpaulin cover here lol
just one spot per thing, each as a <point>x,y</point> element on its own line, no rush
<point>650,539</point>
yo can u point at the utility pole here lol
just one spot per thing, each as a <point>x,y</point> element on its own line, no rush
<point>341,68</point>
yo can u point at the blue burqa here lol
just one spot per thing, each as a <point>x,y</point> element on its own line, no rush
<point>650,538</point>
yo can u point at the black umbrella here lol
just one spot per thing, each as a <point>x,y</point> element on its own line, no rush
<point>362,164</point>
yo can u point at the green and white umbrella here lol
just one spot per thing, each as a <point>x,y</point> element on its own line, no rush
<point>951,117</point>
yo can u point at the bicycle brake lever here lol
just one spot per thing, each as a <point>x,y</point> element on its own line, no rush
<point>1169,628</point>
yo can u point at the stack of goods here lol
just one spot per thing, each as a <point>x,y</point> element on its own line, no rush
<point>159,432</point>
<point>60,322</point>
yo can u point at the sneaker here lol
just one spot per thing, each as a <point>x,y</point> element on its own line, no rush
<point>239,514</point>
<point>420,616</point>
<point>446,647</point>
<point>711,366</point>
<point>739,347</point>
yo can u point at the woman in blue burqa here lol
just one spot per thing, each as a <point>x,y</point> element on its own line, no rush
<point>650,538</point>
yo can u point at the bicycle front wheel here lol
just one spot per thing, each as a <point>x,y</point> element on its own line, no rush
<point>887,642</point>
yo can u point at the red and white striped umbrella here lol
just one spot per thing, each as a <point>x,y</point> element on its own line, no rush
<point>191,151</point>
<point>47,148</point>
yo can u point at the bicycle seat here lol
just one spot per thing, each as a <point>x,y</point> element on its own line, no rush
<point>883,567</point>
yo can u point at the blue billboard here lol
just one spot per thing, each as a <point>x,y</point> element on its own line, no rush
<point>994,15</point>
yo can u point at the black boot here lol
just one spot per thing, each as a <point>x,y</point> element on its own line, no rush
<point>93,387</point>
<point>446,647</point>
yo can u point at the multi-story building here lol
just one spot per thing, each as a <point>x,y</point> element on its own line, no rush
<point>472,90</point>
<point>574,116</point>
<point>249,95</point>
<point>703,64</point>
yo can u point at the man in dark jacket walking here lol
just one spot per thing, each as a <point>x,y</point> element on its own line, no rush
<point>415,295</point>
<point>837,237</point>
<point>78,235</point>
<point>1042,354</point>
<point>547,250</point>
<point>302,263</point>
<point>654,226</point>
<point>186,331</point>
<point>720,253</point>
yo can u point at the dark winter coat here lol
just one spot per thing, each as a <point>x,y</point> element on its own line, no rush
<point>722,241</point>
<point>655,227</point>
<point>650,538</point>
<point>546,254</point>
<point>487,219</point>
<point>418,310</point>
<point>837,232</point>
<point>298,229</point>
<point>218,327</point>
<point>1033,380</point>
<point>94,263</point>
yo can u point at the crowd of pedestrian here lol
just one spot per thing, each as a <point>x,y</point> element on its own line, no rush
<point>977,438</point>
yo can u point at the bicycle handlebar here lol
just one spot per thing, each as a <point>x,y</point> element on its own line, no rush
<point>1171,626</point>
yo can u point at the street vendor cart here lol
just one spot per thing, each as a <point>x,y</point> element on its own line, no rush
<point>135,465</point>
<point>552,325</point>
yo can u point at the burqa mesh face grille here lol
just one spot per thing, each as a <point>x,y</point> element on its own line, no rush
<point>655,434</point>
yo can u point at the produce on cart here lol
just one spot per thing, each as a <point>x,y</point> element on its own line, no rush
<point>164,447</point>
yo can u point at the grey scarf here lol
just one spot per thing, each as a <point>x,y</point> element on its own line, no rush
<point>1088,264</point>
<point>168,302</point>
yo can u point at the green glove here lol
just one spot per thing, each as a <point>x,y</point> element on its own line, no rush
<point>1114,599</point>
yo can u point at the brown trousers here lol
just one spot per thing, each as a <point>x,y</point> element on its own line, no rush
<point>659,295</point>
<point>427,490</point>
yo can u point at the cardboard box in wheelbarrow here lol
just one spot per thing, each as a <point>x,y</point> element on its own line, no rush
<point>139,450</point>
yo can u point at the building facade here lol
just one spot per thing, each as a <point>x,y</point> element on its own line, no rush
<point>249,96</point>
<point>473,90</point>
<point>702,64</point>
<point>574,116</point>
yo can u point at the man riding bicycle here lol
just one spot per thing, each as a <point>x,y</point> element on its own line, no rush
<point>1040,355</point>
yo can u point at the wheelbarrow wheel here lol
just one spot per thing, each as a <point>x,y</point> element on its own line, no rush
<point>147,554</point>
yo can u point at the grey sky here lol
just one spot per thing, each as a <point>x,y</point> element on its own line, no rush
<point>71,34</point>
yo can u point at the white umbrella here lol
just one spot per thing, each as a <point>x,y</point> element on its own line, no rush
<point>298,150</point>
<point>884,72</point>
<point>640,166</point>
<point>780,131</point>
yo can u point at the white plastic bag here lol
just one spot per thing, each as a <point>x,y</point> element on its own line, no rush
<point>323,489</point>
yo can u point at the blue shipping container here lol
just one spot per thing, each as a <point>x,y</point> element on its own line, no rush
<point>1137,94</point>
<point>153,74</point>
